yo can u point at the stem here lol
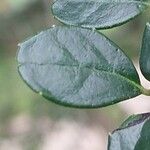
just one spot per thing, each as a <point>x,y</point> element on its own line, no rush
<point>146,91</point>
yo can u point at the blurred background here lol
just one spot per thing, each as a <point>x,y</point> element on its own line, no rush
<point>28,121</point>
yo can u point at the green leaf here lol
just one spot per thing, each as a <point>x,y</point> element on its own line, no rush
<point>130,120</point>
<point>97,13</point>
<point>145,53</point>
<point>134,134</point>
<point>77,67</point>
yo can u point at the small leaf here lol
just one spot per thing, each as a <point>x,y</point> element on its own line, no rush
<point>145,53</point>
<point>77,67</point>
<point>97,13</point>
<point>134,134</point>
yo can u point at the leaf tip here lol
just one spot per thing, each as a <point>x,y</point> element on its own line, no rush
<point>109,133</point>
<point>40,93</point>
<point>53,26</point>
<point>148,24</point>
<point>19,44</point>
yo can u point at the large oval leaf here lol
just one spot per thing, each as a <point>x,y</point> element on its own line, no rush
<point>77,67</point>
<point>145,53</point>
<point>97,13</point>
<point>134,134</point>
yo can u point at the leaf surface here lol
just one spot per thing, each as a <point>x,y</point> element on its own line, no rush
<point>77,67</point>
<point>145,53</point>
<point>134,134</point>
<point>97,13</point>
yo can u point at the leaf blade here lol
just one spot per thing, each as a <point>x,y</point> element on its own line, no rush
<point>84,68</point>
<point>97,14</point>
<point>145,53</point>
<point>132,135</point>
